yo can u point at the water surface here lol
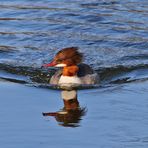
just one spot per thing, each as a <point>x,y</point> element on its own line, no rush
<point>112,35</point>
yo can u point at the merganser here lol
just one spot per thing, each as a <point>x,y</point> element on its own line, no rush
<point>73,71</point>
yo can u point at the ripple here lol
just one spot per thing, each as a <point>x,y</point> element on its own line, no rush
<point>111,34</point>
<point>6,49</point>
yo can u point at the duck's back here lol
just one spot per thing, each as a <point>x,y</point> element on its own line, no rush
<point>87,74</point>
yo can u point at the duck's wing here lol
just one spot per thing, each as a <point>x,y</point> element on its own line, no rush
<point>87,74</point>
<point>84,70</point>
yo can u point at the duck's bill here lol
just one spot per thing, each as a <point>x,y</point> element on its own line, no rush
<point>52,64</point>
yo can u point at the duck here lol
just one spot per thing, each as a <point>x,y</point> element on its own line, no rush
<point>72,70</point>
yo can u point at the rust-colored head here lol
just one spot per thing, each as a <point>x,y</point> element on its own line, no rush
<point>66,57</point>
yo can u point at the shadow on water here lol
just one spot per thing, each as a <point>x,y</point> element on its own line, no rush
<point>71,114</point>
<point>39,77</point>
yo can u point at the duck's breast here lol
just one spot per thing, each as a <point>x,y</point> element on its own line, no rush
<point>69,79</point>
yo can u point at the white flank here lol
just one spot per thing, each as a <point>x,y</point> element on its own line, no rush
<point>67,79</point>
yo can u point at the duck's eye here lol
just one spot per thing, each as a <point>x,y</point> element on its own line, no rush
<point>59,61</point>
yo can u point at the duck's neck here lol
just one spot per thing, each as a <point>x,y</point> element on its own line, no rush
<point>70,70</point>
<point>69,75</point>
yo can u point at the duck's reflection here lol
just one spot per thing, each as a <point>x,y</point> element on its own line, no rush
<point>71,113</point>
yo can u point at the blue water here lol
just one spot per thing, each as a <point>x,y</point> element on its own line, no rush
<point>112,35</point>
<point>116,117</point>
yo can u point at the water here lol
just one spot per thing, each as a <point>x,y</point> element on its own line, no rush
<point>114,117</point>
<point>112,34</point>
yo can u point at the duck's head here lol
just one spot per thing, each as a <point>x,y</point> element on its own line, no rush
<point>66,57</point>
